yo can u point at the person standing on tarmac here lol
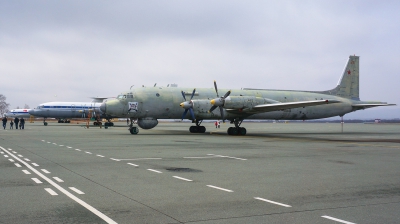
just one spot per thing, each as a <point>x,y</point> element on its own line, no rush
<point>22,123</point>
<point>4,122</point>
<point>16,121</point>
<point>11,124</point>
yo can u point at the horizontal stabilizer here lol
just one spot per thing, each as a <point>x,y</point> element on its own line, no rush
<point>369,105</point>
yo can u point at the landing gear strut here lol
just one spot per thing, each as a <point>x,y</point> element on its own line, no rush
<point>197,128</point>
<point>133,130</point>
<point>108,123</point>
<point>237,130</point>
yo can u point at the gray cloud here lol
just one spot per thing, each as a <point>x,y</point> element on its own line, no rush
<point>78,49</point>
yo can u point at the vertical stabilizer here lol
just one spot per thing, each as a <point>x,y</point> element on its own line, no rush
<point>348,85</point>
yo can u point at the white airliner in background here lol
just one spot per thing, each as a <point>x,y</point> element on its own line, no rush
<point>18,113</point>
<point>64,111</point>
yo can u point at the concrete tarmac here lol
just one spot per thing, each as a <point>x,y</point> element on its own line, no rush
<point>277,173</point>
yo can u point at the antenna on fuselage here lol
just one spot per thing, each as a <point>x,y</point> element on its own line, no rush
<point>131,86</point>
<point>155,84</point>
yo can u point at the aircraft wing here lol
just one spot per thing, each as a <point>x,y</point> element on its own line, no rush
<point>369,105</point>
<point>282,106</point>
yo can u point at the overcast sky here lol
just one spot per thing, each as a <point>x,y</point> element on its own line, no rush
<point>73,50</point>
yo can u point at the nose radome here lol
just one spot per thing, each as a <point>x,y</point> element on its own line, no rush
<point>103,107</point>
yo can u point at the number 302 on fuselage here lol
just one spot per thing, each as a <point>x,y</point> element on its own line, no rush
<point>147,104</point>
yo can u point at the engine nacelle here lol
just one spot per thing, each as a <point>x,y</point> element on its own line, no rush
<point>147,123</point>
<point>240,102</point>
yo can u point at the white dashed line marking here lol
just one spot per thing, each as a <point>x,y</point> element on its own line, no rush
<point>14,152</point>
<point>26,159</point>
<point>43,140</point>
<point>272,202</point>
<point>20,156</point>
<point>5,156</point>
<point>88,152</point>
<point>45,171</point>
<point>181,178</point>
<point>100,156</point>
<point>37,180</point>
<point>35,164</point>
<point>219,188</point>
<point>26,172</point>
<point>78,150</point>
<point>60,145</point>
<point>17,164</point>
<point>115,159</point>
<point>337,220</point>
<point>132,164</point>
<point>67,193</point>
<point>58,179</point>
<point>51,192</point>
<point>76,190</point>
<point>49,142</point>
<point>156,171</point>
<point>11,160</point>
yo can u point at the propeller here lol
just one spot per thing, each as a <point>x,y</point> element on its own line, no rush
<point>187,105</point>
<point>219,102</point>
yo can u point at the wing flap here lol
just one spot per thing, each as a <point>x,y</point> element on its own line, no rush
<point>283,106</point>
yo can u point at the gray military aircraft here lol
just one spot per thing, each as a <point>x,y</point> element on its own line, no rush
<point>147,104</point>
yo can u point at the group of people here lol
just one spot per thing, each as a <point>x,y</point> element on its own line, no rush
<point>17,121</point>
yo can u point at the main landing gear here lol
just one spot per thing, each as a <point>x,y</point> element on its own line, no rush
<point>133,130</point>
<point>237,130</point>
<point>197,128</point>
<point>44,121</point>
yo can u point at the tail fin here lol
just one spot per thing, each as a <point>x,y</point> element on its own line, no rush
<point>348,85</point>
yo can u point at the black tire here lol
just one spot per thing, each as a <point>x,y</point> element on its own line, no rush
<point>45,123</point>
<point>134,130</point>
<point>202,129</point>
<point>242,131</point>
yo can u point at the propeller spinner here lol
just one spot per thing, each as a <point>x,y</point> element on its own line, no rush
<point>219,102</point>
<point>187,105</point>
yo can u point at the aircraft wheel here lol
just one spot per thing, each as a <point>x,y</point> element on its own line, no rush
<point>202,129</point>
<point>234,131</point>
<point>45,123</point>
<point>229,131</point>
<point>242,131</point>
<point>194,129</point>
<point>134,130</point>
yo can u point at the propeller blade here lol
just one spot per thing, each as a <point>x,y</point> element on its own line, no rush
<point>191,113</point>
<point>221,110</point>
<point>212,108</point>
<point>192,94</point>
<point>183,94</point>
<point>184,114</point>
<point>227,94</point>
<point>216,89</point>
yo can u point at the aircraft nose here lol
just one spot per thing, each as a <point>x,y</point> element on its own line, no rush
<point>103,107</point>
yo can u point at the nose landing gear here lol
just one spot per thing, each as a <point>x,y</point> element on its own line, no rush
<point>133,130</point>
